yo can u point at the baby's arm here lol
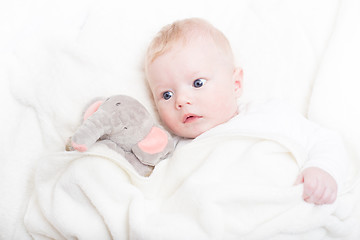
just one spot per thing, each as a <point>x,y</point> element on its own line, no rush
<point>319,186</point>
<point>326,168</point>
<point>326,164</point>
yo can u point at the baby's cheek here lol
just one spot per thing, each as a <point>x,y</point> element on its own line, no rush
<point>163,113</point>
<point>167,119</point>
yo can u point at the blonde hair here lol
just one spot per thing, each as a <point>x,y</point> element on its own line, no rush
<point>183,31</point>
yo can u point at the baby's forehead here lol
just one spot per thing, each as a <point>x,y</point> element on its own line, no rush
<point>205,42</point>
<point>177,39</point>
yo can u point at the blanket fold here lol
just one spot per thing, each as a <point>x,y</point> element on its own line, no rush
<point>236,187</point>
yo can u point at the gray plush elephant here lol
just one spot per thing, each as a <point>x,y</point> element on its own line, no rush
<point>123,124</point>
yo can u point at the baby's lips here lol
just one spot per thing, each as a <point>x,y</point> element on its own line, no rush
<point>189,117</point>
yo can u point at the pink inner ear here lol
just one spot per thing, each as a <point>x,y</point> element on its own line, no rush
<point>93,108</point>
<point>154,142</point>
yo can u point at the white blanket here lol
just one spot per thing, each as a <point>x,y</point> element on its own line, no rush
<point>227,186</point>
<point>55,56</point>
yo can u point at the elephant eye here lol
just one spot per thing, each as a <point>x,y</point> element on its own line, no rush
<point>125,127</point>
<point>118,104</point>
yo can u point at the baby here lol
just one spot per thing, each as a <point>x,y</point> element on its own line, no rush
<point>196,85</point>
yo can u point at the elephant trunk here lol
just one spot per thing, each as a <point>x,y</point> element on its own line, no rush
<point>94,127</point>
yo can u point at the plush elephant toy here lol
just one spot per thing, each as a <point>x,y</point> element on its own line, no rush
<point>123,124</point>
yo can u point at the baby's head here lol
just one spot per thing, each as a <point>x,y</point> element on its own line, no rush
<point>191,73</point>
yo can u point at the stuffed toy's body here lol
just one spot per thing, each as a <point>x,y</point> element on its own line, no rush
<point>124,124</point>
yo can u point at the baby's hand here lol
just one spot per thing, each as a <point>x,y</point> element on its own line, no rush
<point>319,186</point>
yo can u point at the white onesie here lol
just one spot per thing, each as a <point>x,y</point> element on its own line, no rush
<point>277,121</point>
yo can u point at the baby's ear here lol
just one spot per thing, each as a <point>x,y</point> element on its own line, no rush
<point>238,80</point>
<point>91,109</point>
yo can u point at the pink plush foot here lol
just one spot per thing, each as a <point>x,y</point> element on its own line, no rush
<point>79,147</point>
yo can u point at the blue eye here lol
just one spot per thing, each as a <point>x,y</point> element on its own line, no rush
<point>198,83</point>
<point>167,95</point>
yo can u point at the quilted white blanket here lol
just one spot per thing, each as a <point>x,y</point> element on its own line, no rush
<point>228,186</point>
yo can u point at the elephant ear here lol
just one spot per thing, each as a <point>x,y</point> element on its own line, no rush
<point>154,147</point>
<point>93,108</point>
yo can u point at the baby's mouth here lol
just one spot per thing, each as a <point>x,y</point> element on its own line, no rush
<point>189,118</point>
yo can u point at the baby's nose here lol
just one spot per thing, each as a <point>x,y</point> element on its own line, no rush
<point>181,101</point>
<point>179,106</point>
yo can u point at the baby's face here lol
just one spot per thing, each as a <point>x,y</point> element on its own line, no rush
<point>195,87</point>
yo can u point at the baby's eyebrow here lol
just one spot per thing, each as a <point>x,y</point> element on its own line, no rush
<point>194,74</point>
<point>159,90</point>
<point>155,86</point>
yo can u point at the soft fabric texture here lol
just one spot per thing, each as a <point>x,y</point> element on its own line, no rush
<point>58,55</point>
<point>226,184</point>
<point>123,124</point>
<point>336,88</point>
<point>321,147</point>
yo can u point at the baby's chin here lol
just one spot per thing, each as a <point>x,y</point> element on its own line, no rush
<point>193,133</point>
<point>194,129</point>
<point>184,135</point>
<point>191,136</point>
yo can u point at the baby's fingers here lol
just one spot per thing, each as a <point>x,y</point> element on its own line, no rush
<point>319,186</point>
<point>299,179</point>
<point>318,193</point>
<point>312,190</point>
<point>327,197</point>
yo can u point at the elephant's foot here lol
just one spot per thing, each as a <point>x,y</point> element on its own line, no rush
<point>79,147</point>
